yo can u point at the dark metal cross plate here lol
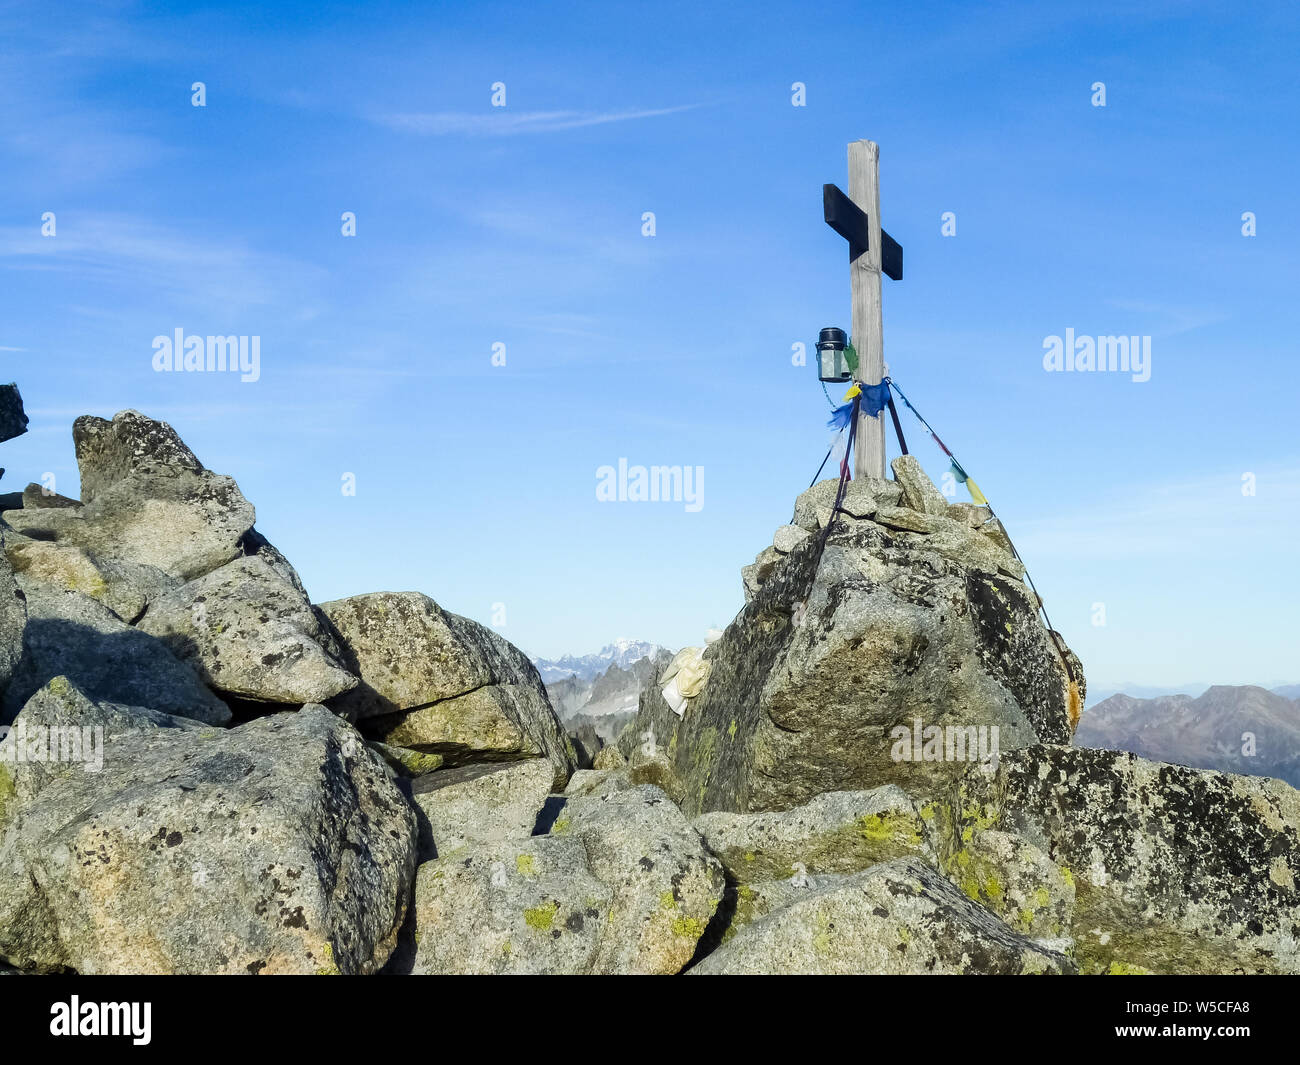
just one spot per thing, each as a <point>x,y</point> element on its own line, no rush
<point>850,222</point>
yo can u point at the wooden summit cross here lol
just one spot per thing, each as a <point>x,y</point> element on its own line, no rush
<point>856,218</point>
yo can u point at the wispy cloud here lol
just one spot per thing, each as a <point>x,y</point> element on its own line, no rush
<point>567,324</point>
<point>1190,518</point>
<point>1176,319</point>
<point>54,124</point>
<point>199,271</point>
<point>505,123</point>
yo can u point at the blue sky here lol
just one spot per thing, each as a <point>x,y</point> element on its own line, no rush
<point>522,226</point>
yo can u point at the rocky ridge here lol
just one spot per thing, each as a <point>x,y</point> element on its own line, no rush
<point>208,772</point>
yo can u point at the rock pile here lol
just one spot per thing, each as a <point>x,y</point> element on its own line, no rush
<point>910,613</point>
<point>249,804</point>
<point>206,772</point>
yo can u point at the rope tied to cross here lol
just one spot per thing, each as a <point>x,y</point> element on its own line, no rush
<point>872,400</point>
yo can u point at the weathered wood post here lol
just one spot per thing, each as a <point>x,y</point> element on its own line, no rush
<point>868,324</point>
<point>872,251</point>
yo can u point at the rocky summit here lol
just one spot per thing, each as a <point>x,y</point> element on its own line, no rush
<point>901,620</point>
<point>204,771</point>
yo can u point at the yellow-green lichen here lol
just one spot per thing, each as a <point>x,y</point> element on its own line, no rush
<point>330,967</point>
<point>978,878</point>
<point>92,584</point>
<point>688,927</point>
<point>976,818</point>
<point>7,791</point>
<point>889,827</point>
<point>525,866</point>
<point>822,938</point>
<point>703,756</point>
<point>542,917</point>
<point>417,763</point>
<point>1106,933</point>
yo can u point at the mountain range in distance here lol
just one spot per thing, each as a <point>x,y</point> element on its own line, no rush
<point>621,653</point>
<point>1146,691</point>
<point>596,695</point>
<point>1238,728</point>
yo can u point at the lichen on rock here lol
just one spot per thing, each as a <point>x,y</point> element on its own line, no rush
<point>873,628</point>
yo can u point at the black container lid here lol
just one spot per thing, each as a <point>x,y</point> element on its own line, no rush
<point>832,337</point>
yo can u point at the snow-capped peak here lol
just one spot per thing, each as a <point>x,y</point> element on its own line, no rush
<point>622,653</point>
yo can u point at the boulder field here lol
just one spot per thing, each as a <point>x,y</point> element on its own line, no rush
<point>204,771</point>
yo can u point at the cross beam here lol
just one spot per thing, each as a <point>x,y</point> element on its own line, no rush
<point>872,251</point>
<point>850,222</point>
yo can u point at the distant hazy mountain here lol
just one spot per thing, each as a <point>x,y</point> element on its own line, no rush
<point>621,653</point>
<point>1208,731</point>
<point>1143,691</point>
<point>605,702</point>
